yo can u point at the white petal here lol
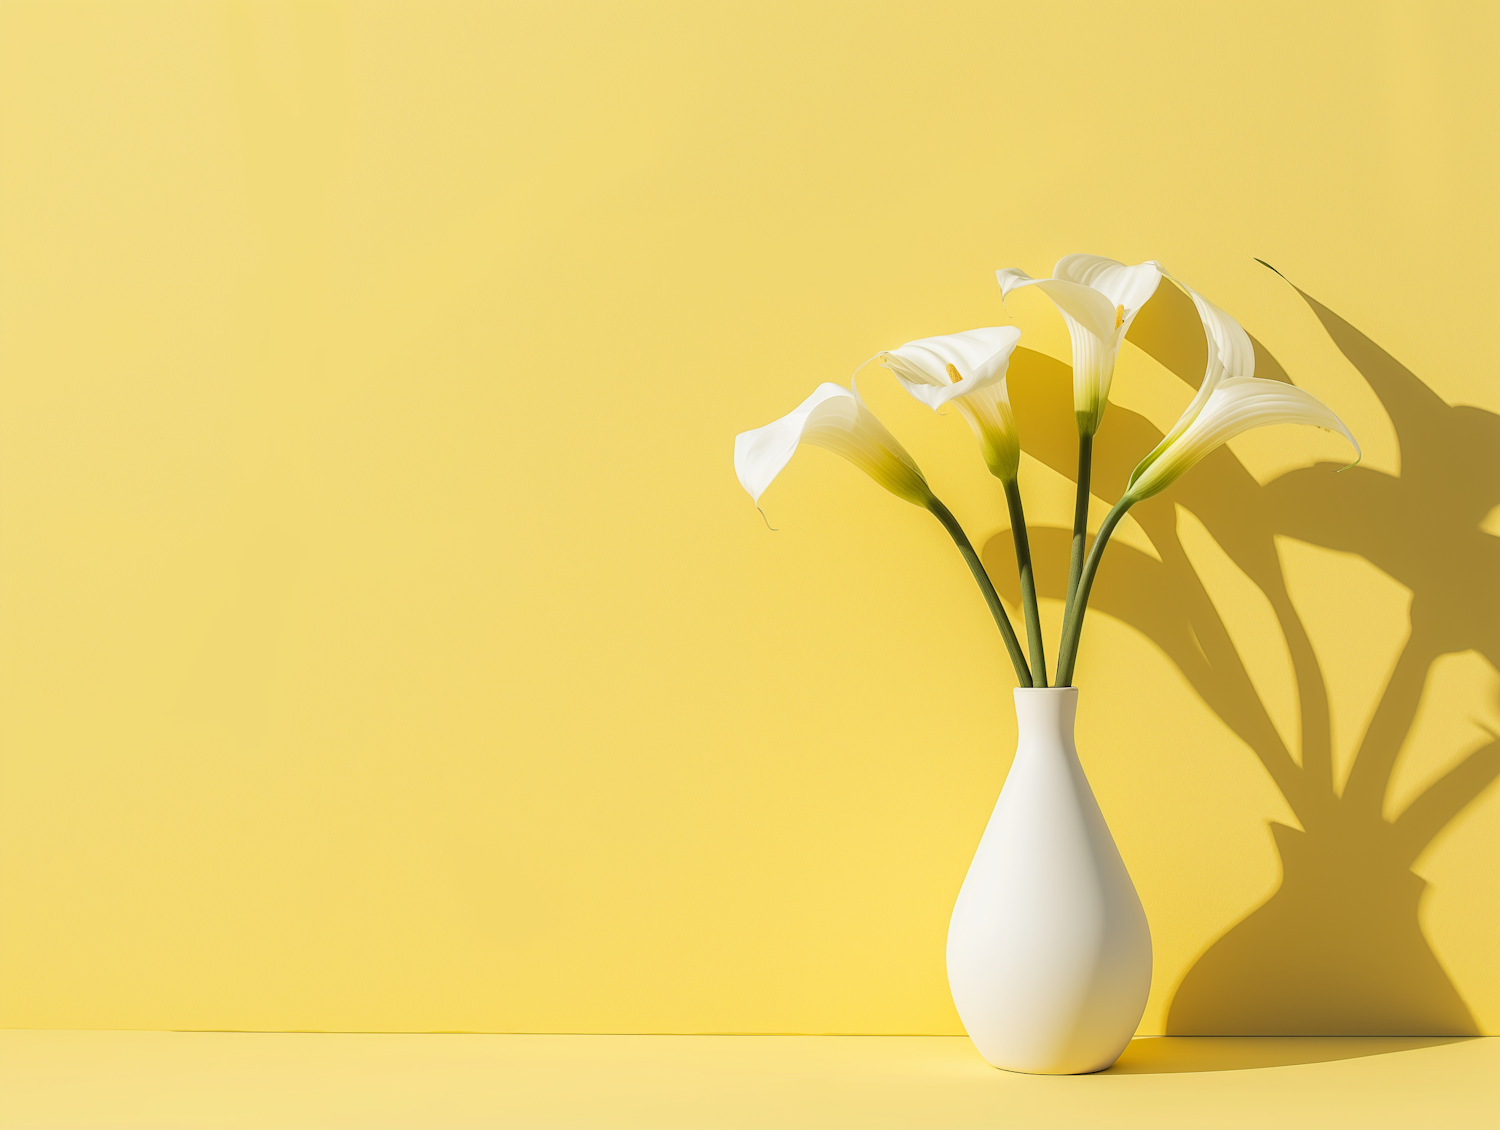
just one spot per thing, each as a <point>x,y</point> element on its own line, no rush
<point>989,414</point>
<point>1129,287</point>
<point>1236,406</point>
<point>980,356</point>
<point>1076,301</point>
<point>1230,354</point>
<point>835,418</point>
<point>1227,340</point>
<point>1093,373</point>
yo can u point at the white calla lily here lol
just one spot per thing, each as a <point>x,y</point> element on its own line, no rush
<point>835,418</point>
<point>967,370</point>
<point>1098,299</point>
<point>1230,401</point>
<point>1235,406</point>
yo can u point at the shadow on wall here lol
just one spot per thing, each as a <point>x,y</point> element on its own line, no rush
<point>1337,949</point>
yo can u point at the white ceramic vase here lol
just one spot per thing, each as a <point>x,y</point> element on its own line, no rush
<point>1049,954</point>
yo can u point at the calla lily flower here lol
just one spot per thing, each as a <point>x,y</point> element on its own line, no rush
<point>1098,299</point>
<point>1230,401</point>
<point>967,370</point>
<point>835,418</point>
<point>1235,406</point>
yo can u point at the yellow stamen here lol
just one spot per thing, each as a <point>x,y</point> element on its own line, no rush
<point>953,375</point>
<point>1119,316</point>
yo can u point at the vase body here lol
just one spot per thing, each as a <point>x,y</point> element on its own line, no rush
<point>1049,954</point>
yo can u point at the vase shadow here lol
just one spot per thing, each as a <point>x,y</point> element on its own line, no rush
<point>1164,1055</point>
<point>1337,949</point>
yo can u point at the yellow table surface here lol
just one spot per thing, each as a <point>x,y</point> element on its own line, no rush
<point>207,1080</point>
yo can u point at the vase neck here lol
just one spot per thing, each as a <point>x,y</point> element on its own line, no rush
<point>1047,711</point>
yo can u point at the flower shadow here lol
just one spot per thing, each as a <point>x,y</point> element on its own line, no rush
<point>1337,949</point>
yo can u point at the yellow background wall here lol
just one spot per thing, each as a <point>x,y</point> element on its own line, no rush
<point>387,644</point>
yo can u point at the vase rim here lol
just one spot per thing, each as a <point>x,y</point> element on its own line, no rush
<point>1047,690</point>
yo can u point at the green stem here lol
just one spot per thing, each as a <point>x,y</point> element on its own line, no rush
<point>997,610</point>
<point>1067,653</point>
<point>1028,584</point>
<point>1080,527</point>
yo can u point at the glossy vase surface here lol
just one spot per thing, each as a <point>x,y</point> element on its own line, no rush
<point>1049,954</point>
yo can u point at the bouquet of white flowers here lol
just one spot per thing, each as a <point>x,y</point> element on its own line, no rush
<point>1098,299</point>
